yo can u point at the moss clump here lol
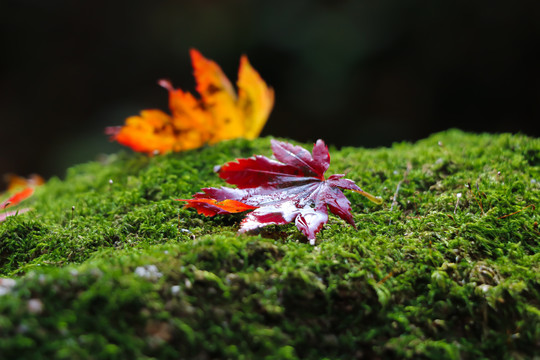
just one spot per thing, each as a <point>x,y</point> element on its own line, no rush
<point>128,273</point>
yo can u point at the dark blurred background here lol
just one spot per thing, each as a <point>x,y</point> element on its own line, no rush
<point>360,73</point>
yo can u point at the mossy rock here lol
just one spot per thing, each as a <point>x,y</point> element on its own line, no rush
<point>109,266</point>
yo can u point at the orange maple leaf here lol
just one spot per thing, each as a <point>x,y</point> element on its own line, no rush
<point>219,114</point>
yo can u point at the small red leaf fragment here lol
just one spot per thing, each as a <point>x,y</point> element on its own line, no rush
<point>18,197</point>
<point>19,189</point>
<point>291,188</point>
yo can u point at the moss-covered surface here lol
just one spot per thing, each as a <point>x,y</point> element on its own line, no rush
<point>108,265</point>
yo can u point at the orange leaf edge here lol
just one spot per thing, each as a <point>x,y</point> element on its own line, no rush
<point>207,206</point>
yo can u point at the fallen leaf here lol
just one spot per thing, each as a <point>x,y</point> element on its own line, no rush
<point>17,197</point>
<point>219,114</point>
<point>291,187</point>
<point>19,189</point>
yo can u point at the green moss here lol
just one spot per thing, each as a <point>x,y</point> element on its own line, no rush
<point>118,269</point>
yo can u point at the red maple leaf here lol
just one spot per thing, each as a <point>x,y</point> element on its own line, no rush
<point>291,187</point>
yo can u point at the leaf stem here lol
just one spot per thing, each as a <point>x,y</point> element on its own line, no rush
<point>376,199</point>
